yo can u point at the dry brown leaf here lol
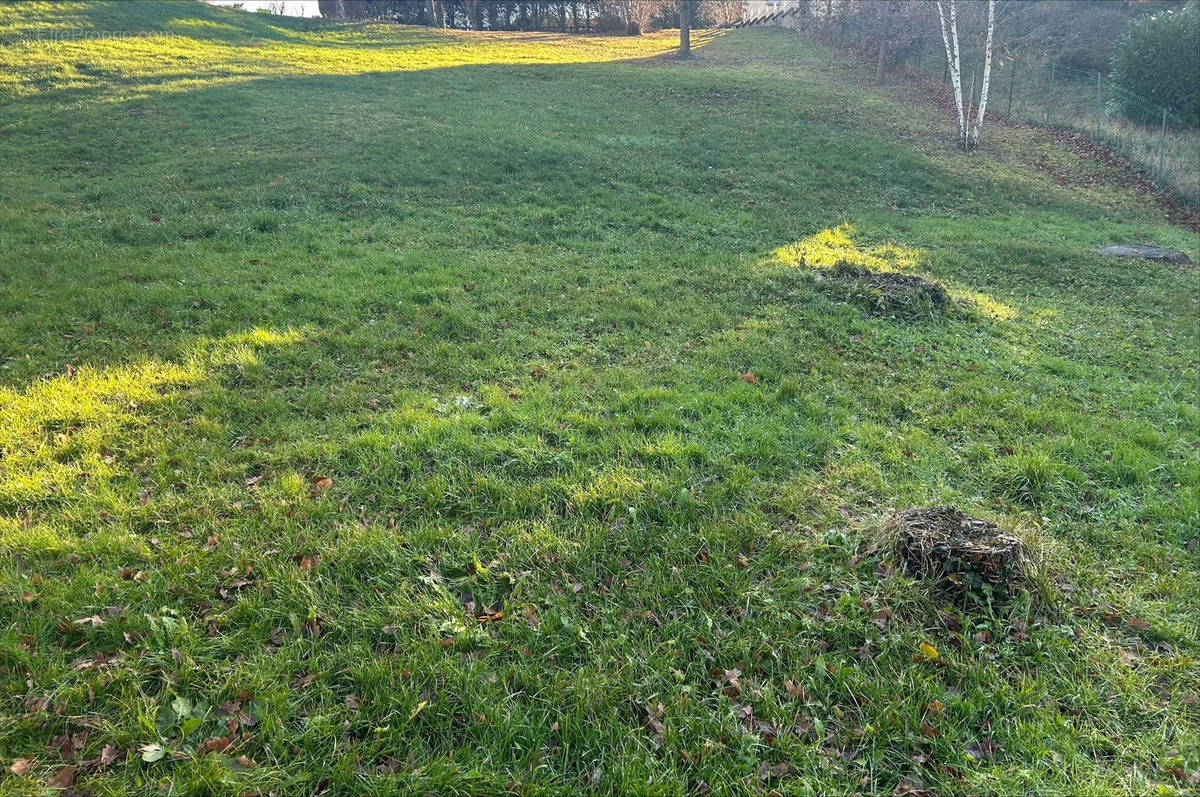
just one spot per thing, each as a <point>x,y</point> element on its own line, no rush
<point>65,779</point>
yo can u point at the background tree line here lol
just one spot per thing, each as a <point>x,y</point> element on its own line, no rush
<point>1082,34</point>
<point>598,16</point>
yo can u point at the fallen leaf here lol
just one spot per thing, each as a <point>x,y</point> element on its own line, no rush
<point>65,779</point>
<point>308,562</point>
<point>983,750</point>
<point>655,725</point>
<point>929,652</point>
<point>22,765</point>
<point>321,484</point>
<point>108,755</point>
<point>768,772</point>
<point>795,690</point>
<point>749,378</point>
<point>352,702</point>
<point>152,752</point>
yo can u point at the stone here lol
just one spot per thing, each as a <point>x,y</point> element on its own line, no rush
<point>1146,253</point>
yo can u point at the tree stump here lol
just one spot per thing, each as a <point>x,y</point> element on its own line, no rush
<point>958,552</point>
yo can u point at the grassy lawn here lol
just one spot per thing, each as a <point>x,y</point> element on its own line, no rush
<point>387,410</point>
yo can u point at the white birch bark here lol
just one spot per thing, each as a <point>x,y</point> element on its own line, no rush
<point>987,73</point>
<point>950,40</point>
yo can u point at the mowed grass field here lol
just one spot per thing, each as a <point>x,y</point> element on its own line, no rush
<point>396,411</point>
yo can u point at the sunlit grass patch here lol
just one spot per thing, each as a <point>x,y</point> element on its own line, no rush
<point>834,245</point>
<point>188,54</point>
<point>983,304</point>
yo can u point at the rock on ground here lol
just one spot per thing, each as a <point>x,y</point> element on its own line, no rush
<point>1145,252</point>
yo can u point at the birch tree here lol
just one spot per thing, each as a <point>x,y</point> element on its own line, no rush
<point>987,73</point>
<point>947,10</point>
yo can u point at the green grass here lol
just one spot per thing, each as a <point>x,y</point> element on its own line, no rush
<point>317,352</point>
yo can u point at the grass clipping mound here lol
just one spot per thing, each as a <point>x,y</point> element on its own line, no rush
<point>887,293</point>
<point>960,553</point>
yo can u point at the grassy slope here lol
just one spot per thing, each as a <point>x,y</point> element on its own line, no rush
<point>591,253</point>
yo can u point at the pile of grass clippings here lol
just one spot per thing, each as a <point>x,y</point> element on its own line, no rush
<point>958,552</point>
<point>888,293</point>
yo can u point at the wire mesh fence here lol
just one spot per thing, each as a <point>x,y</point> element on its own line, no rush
<point>1162,145</point>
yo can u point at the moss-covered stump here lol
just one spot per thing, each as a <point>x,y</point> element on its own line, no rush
<point>957,552</point>
<point>887,293</point>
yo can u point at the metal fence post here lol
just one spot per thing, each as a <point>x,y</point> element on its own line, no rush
<point>1162,145</point>
<point>1050,92</point>
<point>1012,79</point>
<point>1099,102</point>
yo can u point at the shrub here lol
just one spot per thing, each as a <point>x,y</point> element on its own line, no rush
<point>1158,60</point>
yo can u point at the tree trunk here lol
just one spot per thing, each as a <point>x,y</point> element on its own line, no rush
<point>434,11</point>
<point>987,73</point>
<point>950,40</point>
<point>685,28</point>
<point>881,67</point>
<point>474,13</point>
